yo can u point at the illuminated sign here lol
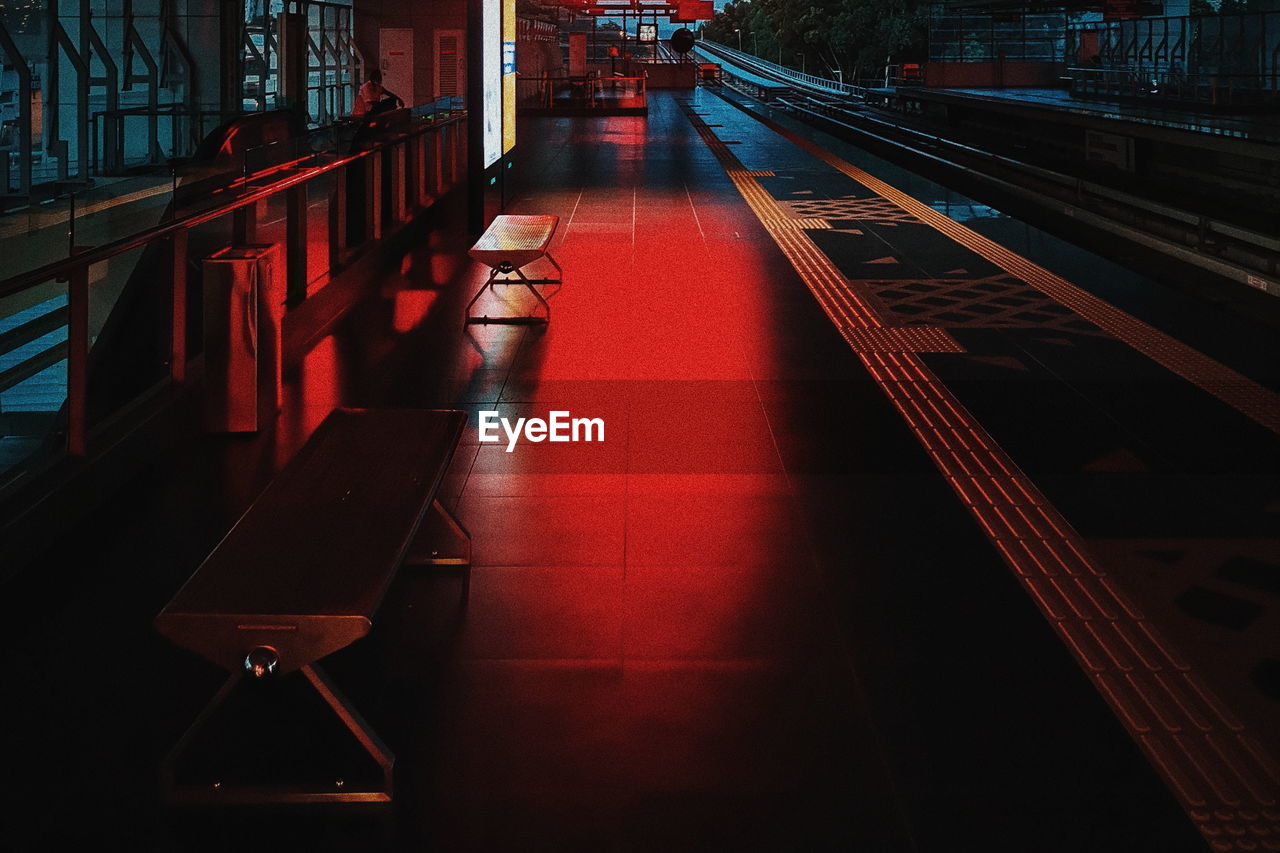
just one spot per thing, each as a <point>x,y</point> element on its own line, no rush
<point>498,27</point>
<point>508,75</point>
<point>491,70</point>
<point>648,32</point>
<point>694,10</point>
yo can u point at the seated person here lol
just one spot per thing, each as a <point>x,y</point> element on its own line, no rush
<point>374,98</point>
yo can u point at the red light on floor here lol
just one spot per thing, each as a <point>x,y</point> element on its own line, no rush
<point>411,308</point>
<point>309,397</point>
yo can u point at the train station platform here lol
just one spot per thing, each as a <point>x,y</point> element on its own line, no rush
<point>911,530</point>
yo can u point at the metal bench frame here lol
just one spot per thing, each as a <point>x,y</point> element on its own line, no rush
<point>224,633</point>
<point>507,269</point>
<point>262,794</point>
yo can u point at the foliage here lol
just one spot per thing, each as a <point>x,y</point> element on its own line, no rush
<point>833,38</point>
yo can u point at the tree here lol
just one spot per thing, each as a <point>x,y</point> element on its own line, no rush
<point>847,36</point>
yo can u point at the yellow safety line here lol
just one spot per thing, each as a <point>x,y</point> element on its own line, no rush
<point>1228,784</point>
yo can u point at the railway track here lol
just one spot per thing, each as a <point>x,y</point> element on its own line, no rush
<point>1227,250</point>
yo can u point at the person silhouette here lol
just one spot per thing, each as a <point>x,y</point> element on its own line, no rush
<point>374,97</point>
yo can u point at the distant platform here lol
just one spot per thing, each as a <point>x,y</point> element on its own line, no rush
<point>1254,128</point>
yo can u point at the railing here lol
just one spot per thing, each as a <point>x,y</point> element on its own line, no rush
<point>1228,249</point>
<point>592,92</point>
<point>1200,59</point>
<point>746,60</point>
<point>109,129</point>
<point>1244,90</point>
<point>398,176</point>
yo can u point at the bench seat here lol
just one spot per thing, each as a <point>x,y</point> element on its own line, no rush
<point>510,243</point>
<point>302,573</point>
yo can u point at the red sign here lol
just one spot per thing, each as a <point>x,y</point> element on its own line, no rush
<point>1120,10</point>
<point>694,10</point>
<point>609,7</point>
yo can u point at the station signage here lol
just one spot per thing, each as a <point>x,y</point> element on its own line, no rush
<point>498,60</point>
<point>692,11</point>
<point>508,75</point>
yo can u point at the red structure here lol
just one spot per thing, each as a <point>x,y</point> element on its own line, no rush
<point>683,11</point>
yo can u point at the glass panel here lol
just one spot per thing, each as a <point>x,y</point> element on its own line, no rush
<point>33,374</point>
<point>34,235</point>
<point>320,200</point>
<point>114,208</point>
<point>956,37</point>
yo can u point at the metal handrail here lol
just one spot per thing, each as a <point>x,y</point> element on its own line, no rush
<point>956,155</point>
<point>407,197</point>
<point>61,268</point>
<point>548,84</point>
<point>810,80</point>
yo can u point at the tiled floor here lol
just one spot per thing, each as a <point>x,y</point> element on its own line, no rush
<point>753,618</point>
<point>735,581</point>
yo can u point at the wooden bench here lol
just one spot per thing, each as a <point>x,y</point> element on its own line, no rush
<point>509,244</point>
<point>303,571</point>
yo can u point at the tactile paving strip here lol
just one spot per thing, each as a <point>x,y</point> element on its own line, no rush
<point>874,211</point>
<point>900,339</point>
<point>802,224</point>
<point>1223,777</point>
<point>998,301</point>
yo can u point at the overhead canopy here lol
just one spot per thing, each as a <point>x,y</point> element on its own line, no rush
<point>1110,9</point>
<point>1024,5</point>
<point>679,11</point>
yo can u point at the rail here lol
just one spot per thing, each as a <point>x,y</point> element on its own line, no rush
<point>1232,251</point>
<point>772,69</point>
<point>108,130</point>
<point>591,92</point>
<point>402,174</point>
<point>1236,253</point>
<point>1216,90</point>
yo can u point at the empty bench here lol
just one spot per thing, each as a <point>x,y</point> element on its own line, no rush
<point>302,573</point>
<point>509,244</point>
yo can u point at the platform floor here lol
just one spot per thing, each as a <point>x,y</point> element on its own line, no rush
<point>755,617</point>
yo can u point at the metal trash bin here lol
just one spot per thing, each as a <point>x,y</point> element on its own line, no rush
<point>243,310</point>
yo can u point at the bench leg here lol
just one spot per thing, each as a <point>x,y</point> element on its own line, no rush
<point>510,321</point>
<point>559,272</point>
<point>529,285</point>
<point>355,723</point>
<point>249,794</point>
<point>559,279</point>
<point>168,783</point>
<point>488,284</point>
<point>443,541</point>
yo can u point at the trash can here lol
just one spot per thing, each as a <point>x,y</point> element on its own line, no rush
<point>243,310</point>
